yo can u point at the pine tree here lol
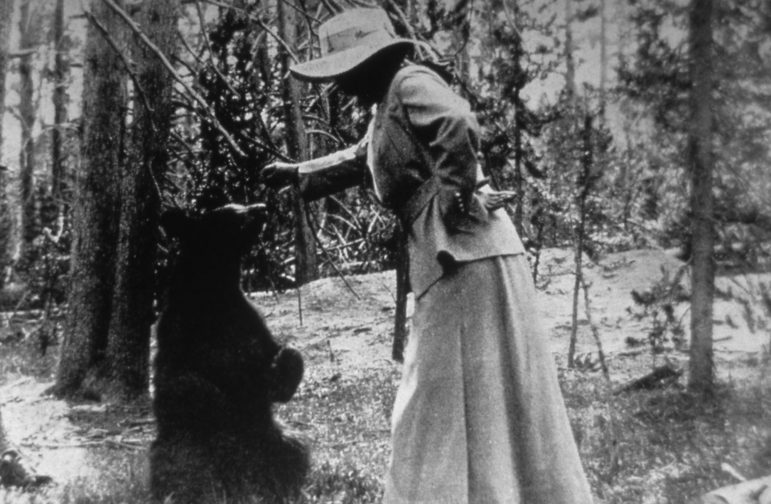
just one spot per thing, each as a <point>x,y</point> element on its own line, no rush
<point>96,207</point>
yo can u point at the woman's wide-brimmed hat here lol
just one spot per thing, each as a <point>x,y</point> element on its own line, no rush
<point>347,40</point>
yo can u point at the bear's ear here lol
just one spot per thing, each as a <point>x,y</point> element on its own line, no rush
<point>175,222</point>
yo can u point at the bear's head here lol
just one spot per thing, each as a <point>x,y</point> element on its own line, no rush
<point>221,235</point>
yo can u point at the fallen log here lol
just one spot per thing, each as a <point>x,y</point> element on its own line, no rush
<point>660,377</point>
<point>756,491</point>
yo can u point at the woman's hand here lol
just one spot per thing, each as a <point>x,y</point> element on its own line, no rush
<point>279,174</point>
<point>478,207</point>
<point>493,200</point>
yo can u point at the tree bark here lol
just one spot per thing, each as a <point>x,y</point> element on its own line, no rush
<point>459,28</point>
<point>603,60</point>
<point>3,438</point>
<point>306,266</point>
<point>570,65</point>
<point>700,161</point>
<point>519,180</point>
<point>27,40</point>
<point>128,347</point>
<point>95,212</point>
<point>583,186</point>
<point>61,68</point>
<point>6,11</point>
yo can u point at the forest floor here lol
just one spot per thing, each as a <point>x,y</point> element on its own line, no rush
<point>646,446</point>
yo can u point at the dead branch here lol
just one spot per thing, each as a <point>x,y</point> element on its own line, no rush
<point>22,53</point>
<point>205,34</point>
<point>166,63</point>
<point>193,71</point>
<point>303,12</point>
<point>270,145</point>
<point>659,377</point>
<point>314,230</point>
<point>332,6</point>
<point>261,24</point>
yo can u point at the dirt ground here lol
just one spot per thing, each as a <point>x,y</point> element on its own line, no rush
<point>344,328</point>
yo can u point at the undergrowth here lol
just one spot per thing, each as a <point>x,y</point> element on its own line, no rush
<point>667,446</point>
<point>657,446</point>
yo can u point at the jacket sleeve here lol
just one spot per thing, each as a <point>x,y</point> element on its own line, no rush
<point>445,125</point>
<point>332,173</point>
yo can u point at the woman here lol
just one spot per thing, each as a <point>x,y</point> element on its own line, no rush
<point>478,416</point>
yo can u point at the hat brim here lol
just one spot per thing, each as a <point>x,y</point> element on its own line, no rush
<point>334,65</point>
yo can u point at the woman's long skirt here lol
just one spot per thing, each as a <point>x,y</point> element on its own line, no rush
<point>479,416</point>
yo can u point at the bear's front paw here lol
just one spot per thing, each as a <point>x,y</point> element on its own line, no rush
<point>287,372</point>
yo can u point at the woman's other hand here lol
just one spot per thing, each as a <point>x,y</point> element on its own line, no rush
<point>279,174</point>
<point>493,200</point>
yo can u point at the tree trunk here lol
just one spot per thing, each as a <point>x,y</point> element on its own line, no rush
<point>6,226</point>
<point>603,59</point>
<point>95,212</point>
<point>27,40</point>
<point>519,180</point>
<point>61,68</point>
<point>583,186</point>
<point>306,267</point>
<point>128,347</point>
<point>570,65</point>
<point>3,438</point>
<point>700,161</point>
<point>460,28</point>
<point>6,10</point>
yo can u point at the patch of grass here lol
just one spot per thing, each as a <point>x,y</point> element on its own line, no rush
<point>648,447</point>
<point>345,418</point>
<point>342,483</point>
<point>122,479</point>
<point>23,358</point>
<point>667,446</point>
<point>118,478</point>
<point>348,420</point>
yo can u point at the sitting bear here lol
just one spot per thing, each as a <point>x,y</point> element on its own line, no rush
<point>217,372</point>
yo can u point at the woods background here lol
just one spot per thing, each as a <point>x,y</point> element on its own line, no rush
<point>620,124</point>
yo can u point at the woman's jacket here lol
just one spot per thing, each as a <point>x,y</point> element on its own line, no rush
<point>423,164</point>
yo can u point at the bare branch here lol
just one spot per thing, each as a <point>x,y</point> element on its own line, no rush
<point>209,49</point>
<point>166,63</point>
<point>325,134</point>
<point>183,142</point>
<point>302,12</point>
<point>192,53</point>
<point>191,71</point>
<point>21,53</point>
<point>311,222</point>
<point>261,24</point>
<point>332,6</point>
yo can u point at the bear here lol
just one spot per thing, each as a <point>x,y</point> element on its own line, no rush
<point>217,372</point>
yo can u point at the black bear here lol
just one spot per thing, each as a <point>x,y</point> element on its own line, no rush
<point>218,370</point>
